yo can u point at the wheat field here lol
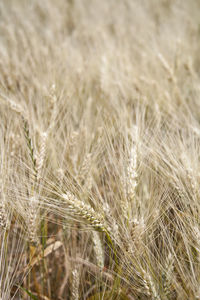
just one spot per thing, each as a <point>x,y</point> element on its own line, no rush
<point>99,150</point>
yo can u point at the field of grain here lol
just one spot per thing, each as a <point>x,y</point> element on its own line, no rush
<point>99,150</point>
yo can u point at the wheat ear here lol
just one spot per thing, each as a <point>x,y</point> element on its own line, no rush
<point>75,284</point>
<point>33,223</point>
<point>4,221</point>
<point>131,180</point>
<point>29,144</point>
<point>18,108</point>
<point>87,213</point>
<point>167,276</point>
<point>98,249</point>
<point>41,157</point>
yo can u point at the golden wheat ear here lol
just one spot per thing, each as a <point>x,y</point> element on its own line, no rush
<point>85,211</point>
